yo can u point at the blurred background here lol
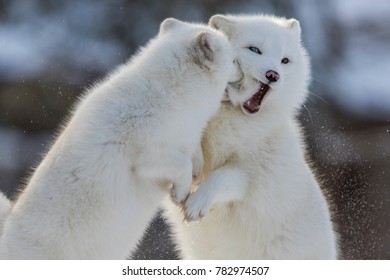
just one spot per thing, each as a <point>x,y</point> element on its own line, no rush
<point>51,50</point>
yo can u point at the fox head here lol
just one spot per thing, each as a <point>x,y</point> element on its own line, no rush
<point>274,66</point>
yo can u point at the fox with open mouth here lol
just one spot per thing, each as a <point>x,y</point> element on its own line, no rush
<point>273,68</point>
<point>258,198</point>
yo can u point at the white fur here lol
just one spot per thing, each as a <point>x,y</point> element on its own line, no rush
<point>260,199</point>
<point>131,137</point>
<point>5,206</point>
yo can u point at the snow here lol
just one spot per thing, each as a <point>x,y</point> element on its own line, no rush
<point>362,80</point>
<point>357,79</point>
<point>352,10</point>
<point>32,40</point>
<point>362,76</point>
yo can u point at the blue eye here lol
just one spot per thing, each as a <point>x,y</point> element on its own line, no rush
<point>255,50</point>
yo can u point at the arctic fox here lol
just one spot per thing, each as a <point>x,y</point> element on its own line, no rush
<point>259,198</point>
<point>5,206</point>
<point>131,137</point>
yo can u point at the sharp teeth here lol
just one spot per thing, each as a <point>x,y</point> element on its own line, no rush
<point>264,88</point>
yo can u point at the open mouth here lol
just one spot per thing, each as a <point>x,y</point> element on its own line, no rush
<point>252,105</point>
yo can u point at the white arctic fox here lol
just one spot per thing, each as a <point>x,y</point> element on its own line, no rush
<point>130,138</point>
<point>259,198</point>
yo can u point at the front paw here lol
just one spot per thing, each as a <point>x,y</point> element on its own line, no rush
<point>180,191</point>
<point>196,206</point>
<point>177,197</point>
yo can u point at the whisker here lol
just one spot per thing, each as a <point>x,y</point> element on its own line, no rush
<point>317,80</point>
<point>310,116</point>
<point>326,102</point>
<point>312,99</point>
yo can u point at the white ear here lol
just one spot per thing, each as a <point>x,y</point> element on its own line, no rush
<point>207,44</point>
<point>222,23</point>
<point>294,26</point>
<point>169,24</point>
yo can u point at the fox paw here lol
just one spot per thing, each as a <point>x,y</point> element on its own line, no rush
<point>178,198</point>
<point>196,206</point>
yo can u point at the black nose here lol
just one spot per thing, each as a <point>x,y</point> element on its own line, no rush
<point>272,76</point>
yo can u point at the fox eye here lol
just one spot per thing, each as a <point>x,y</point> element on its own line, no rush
<point>285,60</point>
<point>255,50</point>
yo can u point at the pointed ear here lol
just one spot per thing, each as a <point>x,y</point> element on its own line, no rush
<point>169,24</point>
<point>294,26</point>
<point>206,44</point>
<point>222,23</point>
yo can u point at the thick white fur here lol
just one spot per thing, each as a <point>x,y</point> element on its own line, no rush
<point>5,206</point>
<point>260,199</point>
<point>131,135</point>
